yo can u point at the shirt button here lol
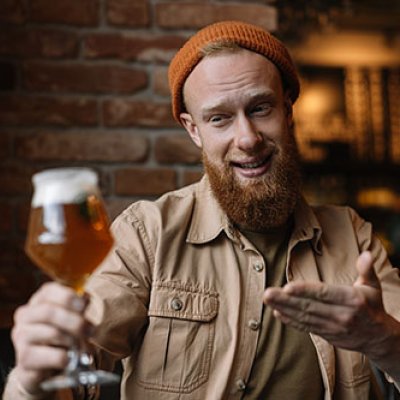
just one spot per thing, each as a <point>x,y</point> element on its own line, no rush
<point>241,385</point>
<point>258,266</point>
<point>176,304</point>
<point>253,324</point>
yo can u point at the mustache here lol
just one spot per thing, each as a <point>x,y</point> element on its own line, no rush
<point>239,157</point>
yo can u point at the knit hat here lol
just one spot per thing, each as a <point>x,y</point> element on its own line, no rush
<point>245,35</point>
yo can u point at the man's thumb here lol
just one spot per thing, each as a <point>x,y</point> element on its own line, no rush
<point>366,272</point>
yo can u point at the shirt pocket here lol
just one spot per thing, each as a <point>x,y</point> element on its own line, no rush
<point>175,355</point>
<point>355,369</point>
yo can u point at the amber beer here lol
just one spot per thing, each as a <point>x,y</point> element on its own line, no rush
<point>68,234</point>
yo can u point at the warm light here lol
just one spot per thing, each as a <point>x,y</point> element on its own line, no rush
<point>378,197</point>
<point>348,48</point>
<point>316,100</point>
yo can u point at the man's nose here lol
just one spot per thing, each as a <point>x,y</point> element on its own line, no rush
<point>248,137</point>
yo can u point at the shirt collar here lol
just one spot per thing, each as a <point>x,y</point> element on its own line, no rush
<point>209,220</point>
<point>306,226</point>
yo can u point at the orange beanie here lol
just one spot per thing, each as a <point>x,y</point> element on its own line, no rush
<point>245,35</point>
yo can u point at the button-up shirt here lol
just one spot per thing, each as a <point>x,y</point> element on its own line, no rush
<point>180,294</point>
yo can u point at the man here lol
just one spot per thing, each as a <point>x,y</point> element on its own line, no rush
<point>232,288</point>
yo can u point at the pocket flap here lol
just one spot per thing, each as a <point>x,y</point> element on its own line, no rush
<point>178,300</point>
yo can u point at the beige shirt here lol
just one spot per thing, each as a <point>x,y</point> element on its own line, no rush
<point>286,363</point>
<point>176,297</point>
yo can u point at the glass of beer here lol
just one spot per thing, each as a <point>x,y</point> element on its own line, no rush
<point>68,237</point>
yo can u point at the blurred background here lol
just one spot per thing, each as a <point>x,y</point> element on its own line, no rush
<point>84,82</point>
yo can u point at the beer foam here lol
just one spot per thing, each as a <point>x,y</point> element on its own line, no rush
<point>63,186</point>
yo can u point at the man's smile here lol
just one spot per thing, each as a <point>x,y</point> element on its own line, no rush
<point>253,167</point>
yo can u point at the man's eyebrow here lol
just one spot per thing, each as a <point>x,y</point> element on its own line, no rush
<point>217,106</point>
<point>262,96</point>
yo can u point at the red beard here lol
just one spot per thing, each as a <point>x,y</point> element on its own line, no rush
<point>265,203</point>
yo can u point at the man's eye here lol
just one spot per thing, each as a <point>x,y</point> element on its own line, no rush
<point>215,118</point>
<point>261,109</point>
<point>218,119</point>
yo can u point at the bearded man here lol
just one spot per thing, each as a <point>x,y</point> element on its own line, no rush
<point>234,287</point>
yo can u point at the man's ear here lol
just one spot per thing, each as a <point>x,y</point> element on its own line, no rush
<point>191,127</point>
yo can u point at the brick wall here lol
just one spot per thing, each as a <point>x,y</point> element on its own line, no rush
<point>83,82</point>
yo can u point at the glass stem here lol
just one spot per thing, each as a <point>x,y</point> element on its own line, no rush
<point>79,359</point>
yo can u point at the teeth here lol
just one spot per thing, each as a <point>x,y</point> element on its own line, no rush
<point>252,165</point>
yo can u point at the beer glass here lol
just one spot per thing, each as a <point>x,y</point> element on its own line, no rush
<point>68,237</point>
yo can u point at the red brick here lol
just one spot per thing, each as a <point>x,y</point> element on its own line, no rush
<point>105,177</point>
<point>35,110</point>
<point>56,77</point>
<point>160,81</point>
<point>49,43</point>
<point>116,206</point>
<point>24,263</point>
<point>13,11</point>
<point>82,146</point>
<point>128,13</point>
<point>7,315</point>
<point>16,286</point>
<point>42,278</point>
<point>7,218</point>
<point>9,249</point>
<point>144,182</point>
<point>121,112</point>
<point>8,76</point>
<point>22,211</point>
<point>74,12</point>
<point>191,15</point>
<point>132,47</point>
<point>190,177</point>
<point>5,142</point>
<point>176,149</point>
<point>15,179</point>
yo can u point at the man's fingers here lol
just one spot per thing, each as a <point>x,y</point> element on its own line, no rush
<point>321,292</point>
<point>309,313</point>
<point>325,320</point>
<point>60,295</point>
<point>56,306</point>
<point>42,334</point>
<point>44,329</point>
<point>308,310</point>
<point>366,272</point>
<point>38,358</point>
<point>58,317</point>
